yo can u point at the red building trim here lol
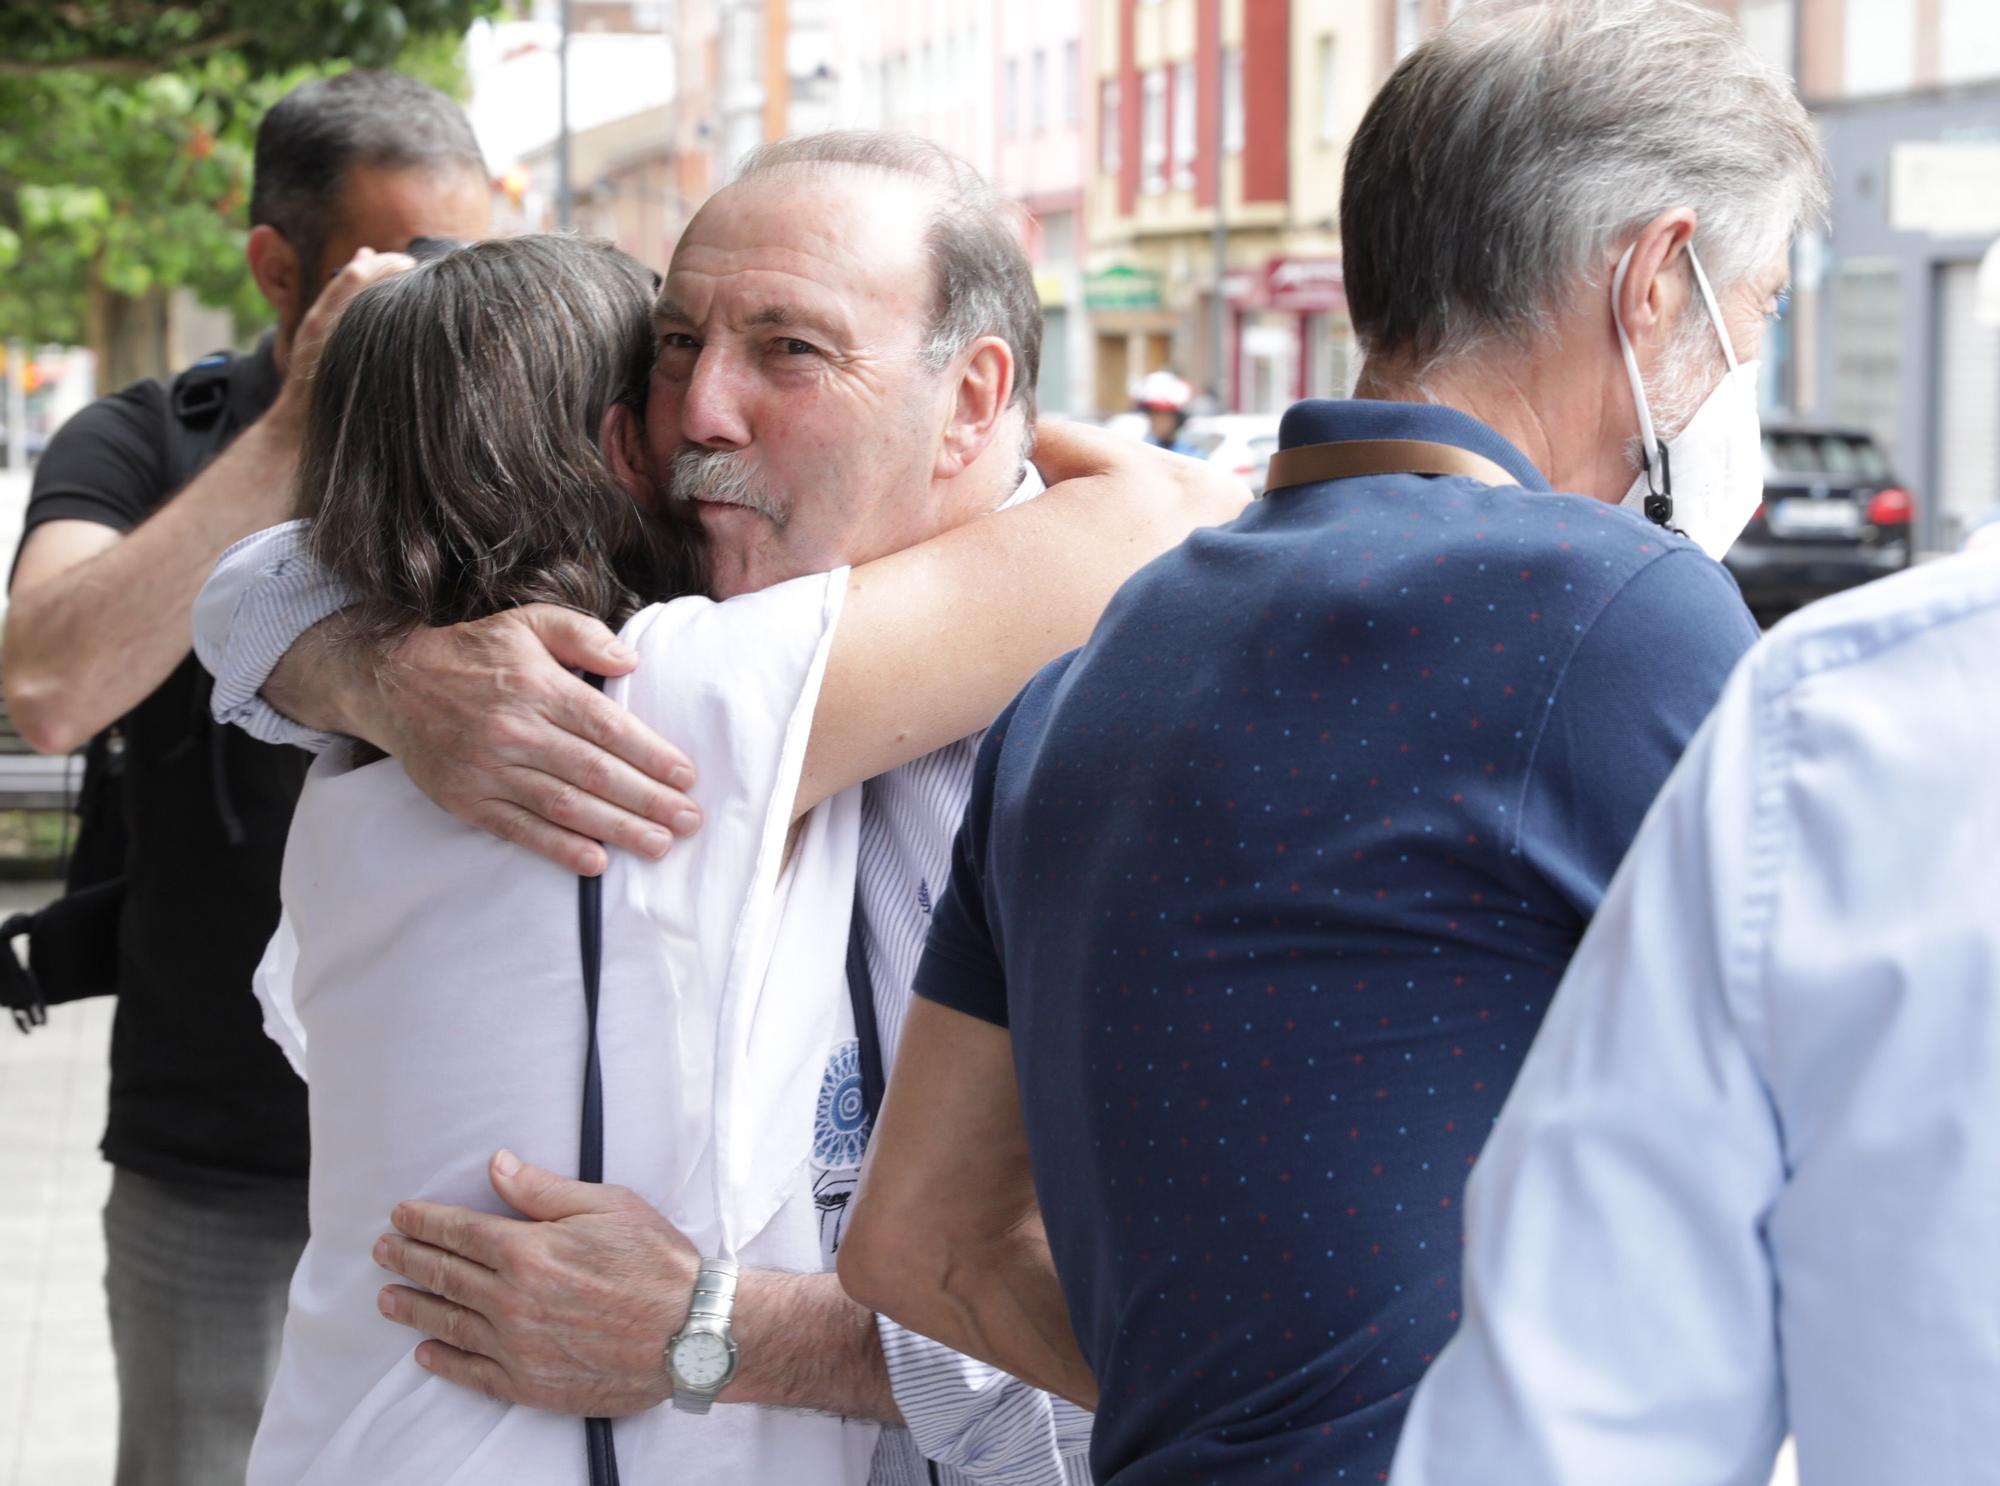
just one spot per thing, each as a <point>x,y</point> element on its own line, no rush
<point>1267,87</point>
<point>1128,107</point>
<point>1208,99</point>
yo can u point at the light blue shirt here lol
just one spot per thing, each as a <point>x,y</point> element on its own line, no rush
<point>1748,1182</point>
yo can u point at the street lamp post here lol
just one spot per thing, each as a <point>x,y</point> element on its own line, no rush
<point>565,205</point>
<point>1219,330</point>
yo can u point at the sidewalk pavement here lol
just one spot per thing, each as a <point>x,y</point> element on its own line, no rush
<point>58,1398</point>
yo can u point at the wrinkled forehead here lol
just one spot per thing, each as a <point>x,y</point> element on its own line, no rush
<point>834,244</point>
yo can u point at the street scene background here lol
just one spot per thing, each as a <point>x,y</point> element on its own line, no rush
<point>1177,167</point>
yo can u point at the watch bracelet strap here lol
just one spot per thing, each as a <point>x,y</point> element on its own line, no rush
<point>714,1290</point>
<point>714,1299</point>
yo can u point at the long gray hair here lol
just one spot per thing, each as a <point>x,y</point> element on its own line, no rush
<point>450,462</point>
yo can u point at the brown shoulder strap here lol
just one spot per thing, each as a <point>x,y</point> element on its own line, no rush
<point>1349,458</point>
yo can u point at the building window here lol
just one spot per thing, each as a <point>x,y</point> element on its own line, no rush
<point>1108,129</point>
<point>1010,99</point>
<point>1232,102</point>
<point>1072,82</point>
<point>1329,92</point>
<point>1038,99</point>
<point>1771,26</point>
<point>1968,41</point>
<point>1409,26</point>
<point>1867,349</point>
<point>1881,46</point>
<point>1185,120</point>
<point>1153,131</point>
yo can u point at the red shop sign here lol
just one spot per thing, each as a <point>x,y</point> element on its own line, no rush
<point>1305,284</point>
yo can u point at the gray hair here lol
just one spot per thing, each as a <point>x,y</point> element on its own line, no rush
<point>1505,159</point>
<point>984,284</point>
<point>450,462</point>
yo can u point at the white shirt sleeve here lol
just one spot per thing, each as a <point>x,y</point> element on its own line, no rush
<point>1620,1315</point>
<point>265,592</point>
<point>983,1424</point>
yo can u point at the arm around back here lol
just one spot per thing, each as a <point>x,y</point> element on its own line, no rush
<point>947,1237</point>
<point>936,639</point>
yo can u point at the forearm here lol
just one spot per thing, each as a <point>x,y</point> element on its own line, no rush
<point>1000,1302</point>
<point>321,683</point>
<point>805,1345</point>
<point>993,602</point>
<point>86,644</point>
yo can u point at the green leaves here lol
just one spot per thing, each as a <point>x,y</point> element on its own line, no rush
<point>127,129</point>
<point>138,38</point>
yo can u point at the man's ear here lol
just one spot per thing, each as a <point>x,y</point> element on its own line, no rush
<point>621,437</point>
<point>985,388</point>
<point>1656,286</point>
<point>281,278</point>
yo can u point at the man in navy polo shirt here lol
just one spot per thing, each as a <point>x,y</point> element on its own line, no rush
<point>1262,894</point>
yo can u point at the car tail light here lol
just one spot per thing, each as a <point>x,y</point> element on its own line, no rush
<point>1246,469</point>
<point>1758,514</point>
<point>1891,507</point>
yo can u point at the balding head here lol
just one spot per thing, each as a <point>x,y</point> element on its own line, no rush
<point>848,343</point>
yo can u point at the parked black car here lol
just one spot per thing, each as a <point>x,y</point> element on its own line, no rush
<point>1833,517</point>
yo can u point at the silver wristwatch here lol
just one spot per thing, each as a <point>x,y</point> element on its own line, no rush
<point>701,1359</point>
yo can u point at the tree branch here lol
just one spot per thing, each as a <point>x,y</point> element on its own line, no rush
<point>134,66</point>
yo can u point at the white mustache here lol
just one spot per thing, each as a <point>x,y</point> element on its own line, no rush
<point>721,477</point>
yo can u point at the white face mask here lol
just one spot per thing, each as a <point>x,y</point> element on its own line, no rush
<point>1707,482</point>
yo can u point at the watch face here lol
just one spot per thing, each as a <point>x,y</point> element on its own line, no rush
<point>701,1360</point>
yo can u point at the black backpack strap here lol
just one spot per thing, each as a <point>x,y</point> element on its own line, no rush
<point>199,416</point>
<point>868,1037</point>
<point>867,1030</point>
<point>599,1447</point>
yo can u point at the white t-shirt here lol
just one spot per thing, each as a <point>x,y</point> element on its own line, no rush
<point>427,981</point>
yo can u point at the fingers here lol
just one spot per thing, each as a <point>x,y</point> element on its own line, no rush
<point>463,1329</point>
<point>491,725</point>
<point>654,773</point>
<point>568,850</point>
<point>479,1237</point>
<point>365,268</point>
<point>543,1195</point>
<point>468,1370</point>
<point>444,1274</point>
<point>578,640</point>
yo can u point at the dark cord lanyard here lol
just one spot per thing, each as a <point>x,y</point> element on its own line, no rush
<point>599,1447</point>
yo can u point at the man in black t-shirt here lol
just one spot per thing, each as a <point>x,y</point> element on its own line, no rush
<point>207,1129</point>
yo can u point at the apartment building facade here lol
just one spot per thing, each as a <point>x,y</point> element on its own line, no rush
<point>1907,94</point>
<point>1214,239</point>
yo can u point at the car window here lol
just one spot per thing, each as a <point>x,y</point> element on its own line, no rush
<point>1838,456</point>
<point>1866,458</point>
<point>1264,445</point>
<point>1790,454</point>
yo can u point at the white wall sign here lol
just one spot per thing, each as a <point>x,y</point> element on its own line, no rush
<point>1945,188</point>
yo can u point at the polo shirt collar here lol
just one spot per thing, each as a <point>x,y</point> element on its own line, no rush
<point>1330,422</point>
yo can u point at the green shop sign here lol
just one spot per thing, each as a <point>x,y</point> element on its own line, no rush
<point>1122,288</point>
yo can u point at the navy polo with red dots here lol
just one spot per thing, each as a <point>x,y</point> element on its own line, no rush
<point>1272,882</point>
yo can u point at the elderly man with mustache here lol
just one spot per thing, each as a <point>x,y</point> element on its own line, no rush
<point>848,338</point>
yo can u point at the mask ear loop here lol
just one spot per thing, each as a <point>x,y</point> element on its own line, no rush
<point>1659,475</point>
<point>1714,309</point>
